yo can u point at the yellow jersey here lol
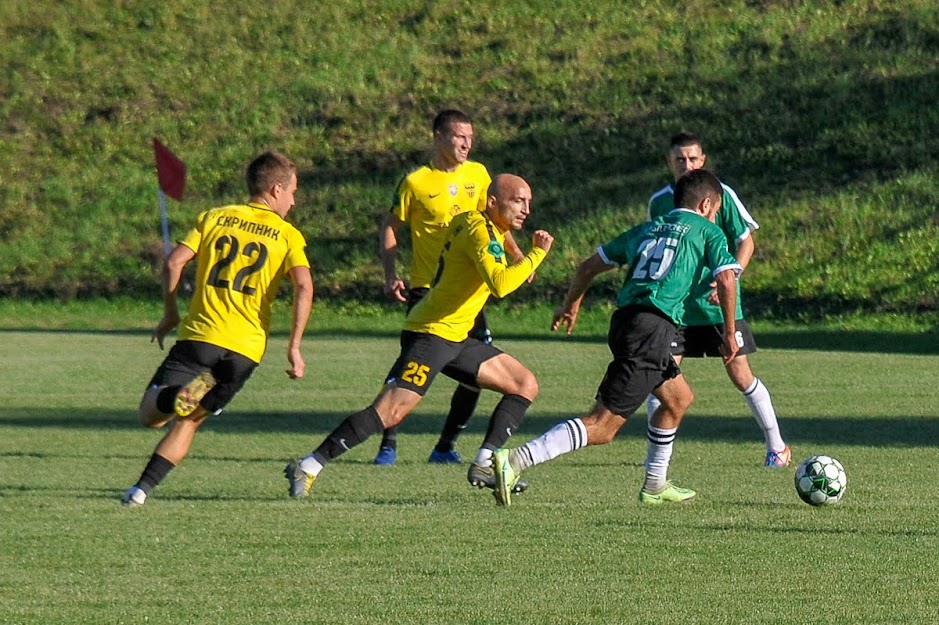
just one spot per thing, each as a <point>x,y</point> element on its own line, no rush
<point>427,199</point>
<point>472,267</point>
<point>243,252</point>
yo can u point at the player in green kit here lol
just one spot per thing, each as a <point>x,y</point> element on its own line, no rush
<point>425,201</point>
<point>702,319</point>
<point>665,258</point>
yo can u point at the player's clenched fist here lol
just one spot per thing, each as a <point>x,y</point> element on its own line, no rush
<point>542,239</point>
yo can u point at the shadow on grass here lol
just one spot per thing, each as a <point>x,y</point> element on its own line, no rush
<point>859,341</point>
<point>871,431</point>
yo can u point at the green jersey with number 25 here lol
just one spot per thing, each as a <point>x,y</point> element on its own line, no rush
<point>666,257</point>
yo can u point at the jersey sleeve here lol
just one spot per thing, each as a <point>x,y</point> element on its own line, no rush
<point>296,251</point>
<point>401,202</point>
<point>193,238</point>
<point>737,223</point>
<point>717,256</point>
<point>621,250</point>
<point>484,181</point>
<point>492,261</point>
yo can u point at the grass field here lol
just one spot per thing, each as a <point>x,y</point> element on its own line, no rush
<point>220,542</point>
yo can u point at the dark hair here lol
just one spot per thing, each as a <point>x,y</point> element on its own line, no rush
<point>684,139</point>
<point>450,116</point>
<point>694,186</point>
<point>267,170</point>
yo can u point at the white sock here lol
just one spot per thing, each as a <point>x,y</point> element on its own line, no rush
<point>483,457</point>
<point>659,455</point>
<point>563,438</point>
<point>761,405</point>
<point>652,403</point>
<point>311,466</point>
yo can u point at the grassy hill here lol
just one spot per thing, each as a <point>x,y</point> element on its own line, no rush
<point>822,116</point>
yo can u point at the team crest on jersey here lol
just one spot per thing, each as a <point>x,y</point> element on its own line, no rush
<point>470,190</point>
<point>496,250</point>
<point>453,190</point>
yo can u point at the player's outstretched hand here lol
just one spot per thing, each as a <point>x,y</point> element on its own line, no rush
<point>564,317</point>
<point>297,364</point>
<point>542,239</point>
<point>395,290</point>
<point>166,325</point>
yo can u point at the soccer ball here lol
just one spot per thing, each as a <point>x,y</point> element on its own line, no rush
<point>821,480</point>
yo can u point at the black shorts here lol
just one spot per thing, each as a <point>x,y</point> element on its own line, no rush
<point>423,356</point>
<point>187,359</point>
<point>480,329</point>
<point>701,341</point>
<point>640,339</point>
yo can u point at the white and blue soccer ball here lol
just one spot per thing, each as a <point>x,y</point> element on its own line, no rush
<point>821,480</point>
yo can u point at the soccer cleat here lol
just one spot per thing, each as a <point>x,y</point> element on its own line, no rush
<point>778,459</point>
<point>483,477</point>
<point>189,396</point>
<point>671,493</point>
<point>506,477</point>
<point>133,498</point>
<point>386,456</point>
<point>445,457</point>
<point>300,481</point>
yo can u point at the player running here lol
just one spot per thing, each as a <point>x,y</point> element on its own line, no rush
<point>664,257</point>
<point>436,337</point>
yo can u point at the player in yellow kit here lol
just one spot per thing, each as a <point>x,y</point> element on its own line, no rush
<point>436,337</point>
<point>425,201</point>
<point>244,251</point>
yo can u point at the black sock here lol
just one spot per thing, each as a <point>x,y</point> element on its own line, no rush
<point>508,415</point>
<point>154,473</point>
<point>355,429</point>
<point>461,410</point>
<point>389,437</point>
<point>166,399</point>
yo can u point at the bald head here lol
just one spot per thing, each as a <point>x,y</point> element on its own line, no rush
<point>509,202</point>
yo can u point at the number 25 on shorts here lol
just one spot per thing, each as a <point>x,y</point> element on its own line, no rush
<point>415,373</point>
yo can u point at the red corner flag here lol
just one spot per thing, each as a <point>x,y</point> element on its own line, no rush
<point>171,171</point>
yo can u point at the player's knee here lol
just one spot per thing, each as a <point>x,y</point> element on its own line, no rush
<point>679,403</point>
<point>527,386</point>
<point>152,418</point>
<point>148,414</point>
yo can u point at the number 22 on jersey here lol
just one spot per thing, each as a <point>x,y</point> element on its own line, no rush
<point>229,247</point>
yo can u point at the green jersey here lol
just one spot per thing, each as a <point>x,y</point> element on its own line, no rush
<point>736,223</point>
<point>667,256</point>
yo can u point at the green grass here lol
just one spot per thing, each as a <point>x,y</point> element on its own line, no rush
<point>819,114</point>
<point>220,542</point>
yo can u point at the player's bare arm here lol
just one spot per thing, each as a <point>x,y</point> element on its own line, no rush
<point>395,287</point>
<point>172,275</point>
<point>727,294</point>
<point>303,290</point>
<point>566,313</point>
